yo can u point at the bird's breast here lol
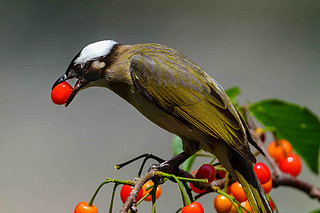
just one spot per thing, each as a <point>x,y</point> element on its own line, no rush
<point>163,118</point>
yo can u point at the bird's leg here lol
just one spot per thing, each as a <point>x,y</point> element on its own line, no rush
<point>171,166</point>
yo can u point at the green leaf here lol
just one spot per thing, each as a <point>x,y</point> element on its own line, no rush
<point>294,123</point>
<point>316,211</point>
<point>176,146</point>
<point>232,93</point>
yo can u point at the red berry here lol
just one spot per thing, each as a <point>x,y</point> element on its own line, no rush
<point>195,189</point>
<point>262,172</point>
<point>194,207</point>
<point>291,165</point>
<point>83,207</point>
<point>206,171</point>
<point>238,192</point>
<point>271,204</point>
<point>61,93</point>
<point>220,174</point>
<point>125,192</point>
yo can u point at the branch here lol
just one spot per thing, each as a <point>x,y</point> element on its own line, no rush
<point>131,200</point>
<point>287,180</point>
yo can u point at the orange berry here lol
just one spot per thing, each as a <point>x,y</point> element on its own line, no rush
<point>233,208</point>
<point>246,205</point>
<point>267,186</point>
<point>83,207</point>
<point>279,149</point>
<point>145,191</point>
<point>222,204</point>
<point>238,192</point>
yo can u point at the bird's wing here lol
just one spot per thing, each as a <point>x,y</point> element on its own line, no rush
<point>180,87</point>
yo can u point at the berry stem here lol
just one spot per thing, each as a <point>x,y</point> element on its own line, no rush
<point>144,197</point>
<point>185,199</point>
<point>112,198</point>
<point>225,188</point>
<point>109,180</point>
<point>188,190</point>
<point>142,166</point>
<point>153,195</point>
<point>192,180</point>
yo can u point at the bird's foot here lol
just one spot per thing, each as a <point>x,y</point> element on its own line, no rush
<point>171,166</point>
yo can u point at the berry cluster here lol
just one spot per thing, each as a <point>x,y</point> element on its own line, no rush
<point>281,152</point>
<point>146,188</point>
<point>223,204</point>
<point>84,207</point>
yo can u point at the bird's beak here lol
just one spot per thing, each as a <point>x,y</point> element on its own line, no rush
<point>75,91</point>
<point>63,78</point>
<point>79,84</point>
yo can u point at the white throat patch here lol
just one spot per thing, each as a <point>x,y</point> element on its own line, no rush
<point>95,50</point>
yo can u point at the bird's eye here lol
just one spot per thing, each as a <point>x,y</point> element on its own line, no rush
<point>77,71</point>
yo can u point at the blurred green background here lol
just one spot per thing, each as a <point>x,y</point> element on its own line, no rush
<point>54,157</point>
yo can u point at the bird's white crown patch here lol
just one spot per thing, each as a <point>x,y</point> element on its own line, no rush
<point>94,50</point>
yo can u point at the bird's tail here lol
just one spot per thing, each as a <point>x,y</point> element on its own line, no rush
<point>242,170</point>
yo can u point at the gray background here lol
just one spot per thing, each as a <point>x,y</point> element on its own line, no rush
<point>54,157</point>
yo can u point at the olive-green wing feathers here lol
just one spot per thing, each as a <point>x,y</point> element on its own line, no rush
<point>180,87</point>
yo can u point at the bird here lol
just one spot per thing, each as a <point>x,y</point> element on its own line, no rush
<point>176,94</point>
